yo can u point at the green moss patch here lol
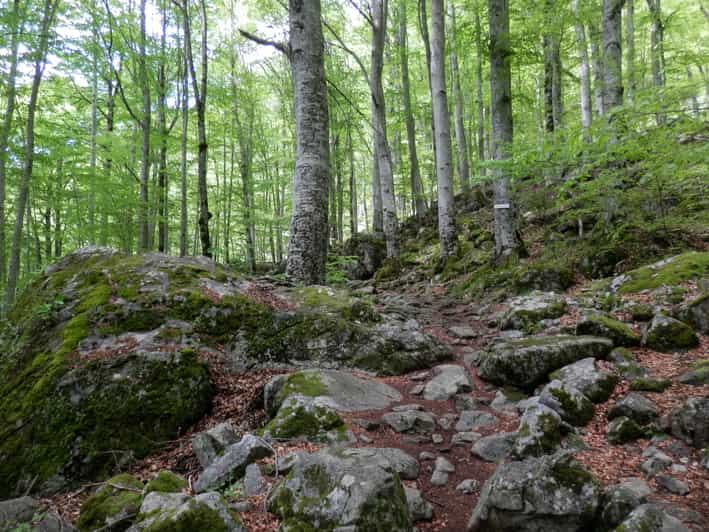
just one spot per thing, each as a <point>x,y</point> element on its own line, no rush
<point>113,507</point>
<point>673,271</point>
<point>650,385</point>
<point>166,482</point>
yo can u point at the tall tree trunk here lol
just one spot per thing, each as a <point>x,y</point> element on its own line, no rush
<point>307,249</point>
<point>444,162</point>
<point>144,241</point>
<point>10,89</point>
<point>694,98</point>
<point>507,241</point>
<point>162,127</point>
<point>479,87</point>
<point>40,57</point>
<point>417,204</point>
<point>93,147</point>
<point>184,110</point>
<point>552,68</point>
<point>597,62</point>
<point>423,27</point>
<point>108,161</point>
<point>657,55</point>
<point>462,143</point>
<point>612,55</point>
<point>354,225</point>
<point>585,73</point>
<point>630,49</point>
<point>382,151</point>
<point>199,88</point>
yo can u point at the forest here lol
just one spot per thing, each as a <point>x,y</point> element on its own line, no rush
<point>395,265</point>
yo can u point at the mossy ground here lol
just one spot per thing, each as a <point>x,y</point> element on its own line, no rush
<point>119,497</point>
<point>166,482</point>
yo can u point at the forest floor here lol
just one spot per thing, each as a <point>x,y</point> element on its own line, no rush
<point>239,396</point>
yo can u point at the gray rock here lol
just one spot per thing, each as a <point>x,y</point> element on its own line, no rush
<point>690,422</point>
<point>389,458</point>
<point>232,464</point>
<point>538,494</point>
<point>502,402</point>
<point>636,407</point>
<point>448,380</point>
<point>426,455</point>
<point>468,486</point>
<point>463,332</point>
<point>650,518</point>
<point>464,438</point>
<point>673,485</point>
<point>419,508</point>
<point>618,502</point>
<point>211,443</point>
<point>327,490</point>
<point>303,418</point>
<point>669,334</point>
<point>410,421</point>
<point>594,383</point>
<point>656,462</point>
<point>698,375</point>
<point>441,470</point>
<point>526,363</point>
<point>527,311</point>
<point>495,447</point>
<point>465,402</point>
<point>406,408</point>
<point>446,421</point>
<point>696,313</point>
<point>436,438</point>
<point>21,514</point>
<point>539,432</point>
<point>573,406</point>
<point>338,390</point>
<point>637,485</point>
<point>254,482</point>
<point>623,429</point>
<point>607,326</point>
<point>472,419</point>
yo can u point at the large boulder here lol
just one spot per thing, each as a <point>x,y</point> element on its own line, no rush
<point>232,464</point>
<point>690,422</point>
<point>527,362</point>
<point>635,406</point>
<point>540,431</point>
<point>567,401</point>
<point>369,253</point>
<point>668,334</point>
<point>330,490</point>
<point>114,506</point>
<point>696,313</point>
<point>448,380</point>
<point>594,383</point>
<point>548,493</point>
<point>650,518</point>
<point>526,312</point>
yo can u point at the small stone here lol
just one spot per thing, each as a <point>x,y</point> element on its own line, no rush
<point>464,438</point>
<point>495,447</point>
<point>418,377</point>
<point>444,465</point>
<point>463,332</point>
<point>678,469</point>
<point>465,402</point>
<point>437,438</point>
<point>417,390</point>
<point>471,419</point>
<point>672,484</point>
<point>367,424</point>
<point>446,422</point>
<point>656,463</point>
<point>365,439</point>
<point>406,408</point>
<point>419,508</point>
<point>468,486</point>
<point>426,455</point>
<point>253,480</point>
<point>242,506</point>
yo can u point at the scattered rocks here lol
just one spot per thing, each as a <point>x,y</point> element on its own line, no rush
<point>448,380</point>
<point>211,443</point>
<point>232,464</point>
<point>552,492</point>
<point>528,362</point>
<point>672,484</point>
<point>669,334</point>
<point>618,502</point>
<point>698,375</point>
<point>495,447</point>
<point>464,438</point>
<point>463,332</point>
<point>623,429</point>
<point>696,313</point>
<point>472,419</point>
<point>419,508</point>
<point>656,461</point>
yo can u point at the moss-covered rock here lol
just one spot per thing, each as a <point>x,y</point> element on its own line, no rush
<point>668,334</point>
<point>526,312</point>
<point>299,418</point>
<point>567,401</point>
<point>608,327</point>
<point>669,272</point>
<point>623,429</point>
<point>540,431</point>
<point>696,313</point>
<point>177,512</point>
<point>166,482</point>
<point>698,374</point>
<point>641,312</point>
<point>650,385</point>
<point>113,507</point>
<point>370,252</point>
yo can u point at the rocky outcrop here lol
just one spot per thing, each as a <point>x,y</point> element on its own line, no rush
<point>211,443</point>
<point>669,334</point>
<point>528,362</point>
<point>547,493</point>
<point>330,490</point>
<point>540,431</point>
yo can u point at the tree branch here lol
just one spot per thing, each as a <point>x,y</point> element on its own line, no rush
<point>280,46</point>
<point>348,50</point>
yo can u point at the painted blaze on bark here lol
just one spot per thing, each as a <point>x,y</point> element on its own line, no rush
<point>307,248</point>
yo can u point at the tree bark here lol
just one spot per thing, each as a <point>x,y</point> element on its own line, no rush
<point>479,88</point>
<point>40,58</point>
<point>145,126</point>
<point>657,55</point>
<point>418,204</point>
<point>423,27</point>
<point>184,110</point>
<point>461,137</point>
<point>612,55</point>
<point>382,151</point>
<point>162,127</point>
<point>354,225</point>
<point>630,49</point>
<point>444,162</point>
<point>507,241</point>
<point>307,248</point>
<point>584,75</point>
<point>597,62</point>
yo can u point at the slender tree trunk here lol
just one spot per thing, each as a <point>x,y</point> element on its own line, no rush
<point>507,241</point>
<point>584,74</point>
<point>423,27</point>
<point>612,55</point>
<point>446,210</point>
<point>694,99</point>
<point>630,49</point>
<point>382,151</point>
<point>597,62</point>
<point>479,87</point>
<point>657,56</point>
<point>145,125</point>
<point>10,89</point>
<point>353,184</point>
<point>58,193</point>
<point>184,106</point>
<point>40,57</point>
<point>461,138</point>
<point>418,204</point>
<point>92,149</point>
<point>199,88</point>
<point>162,127</point>
<point>108,161</point>
<point>307,249</point>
